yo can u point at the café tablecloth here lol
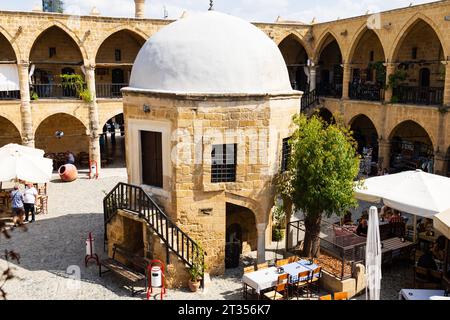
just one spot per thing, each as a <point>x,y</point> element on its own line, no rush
<point>267,278</point>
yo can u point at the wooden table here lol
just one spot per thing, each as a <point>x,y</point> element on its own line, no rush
<point>394,244</point>
<point>393,247</point>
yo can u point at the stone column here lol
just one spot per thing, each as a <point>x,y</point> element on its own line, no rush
<point>25,106</point>
<point>346,78</point>
<point>390,69</point>
<point>440,162</point>
<point>447,84</point>
<point>384,153</point>
<point>261,228</point>
<point>94,142</point>
<point>312,78</point>
<point>139,8</point>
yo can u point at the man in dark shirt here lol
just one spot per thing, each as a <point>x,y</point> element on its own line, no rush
<point>427,261</point>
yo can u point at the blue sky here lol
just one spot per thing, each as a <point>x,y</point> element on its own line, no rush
<point>253,10</point>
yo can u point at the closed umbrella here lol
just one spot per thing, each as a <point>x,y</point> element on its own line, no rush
<point>24,163</point>
<point>373,257</point>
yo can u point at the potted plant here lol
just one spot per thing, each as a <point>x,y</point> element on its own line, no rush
<point>278,228</point>
<point>196,271</point>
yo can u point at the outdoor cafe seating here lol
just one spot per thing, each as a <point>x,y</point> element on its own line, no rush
<point>282,281</point>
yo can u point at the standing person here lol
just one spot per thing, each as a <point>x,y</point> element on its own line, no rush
<point>30,199</point>
<point>113,132</point>
<point>17,206</point>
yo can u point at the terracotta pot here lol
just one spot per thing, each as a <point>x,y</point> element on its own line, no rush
<point>68,173</point>
<point>194,286</point>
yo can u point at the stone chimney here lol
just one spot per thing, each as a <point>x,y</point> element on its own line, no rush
<point>139,8</point>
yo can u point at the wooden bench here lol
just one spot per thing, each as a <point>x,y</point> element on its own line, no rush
<point>133,275</point>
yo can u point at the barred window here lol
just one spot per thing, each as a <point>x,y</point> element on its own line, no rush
<point>223,163</point>
<point>286,154</point>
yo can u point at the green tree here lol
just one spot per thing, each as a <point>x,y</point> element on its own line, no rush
<point>320,176</point>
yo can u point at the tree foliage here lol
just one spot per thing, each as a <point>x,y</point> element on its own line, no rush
<point>321,173</point>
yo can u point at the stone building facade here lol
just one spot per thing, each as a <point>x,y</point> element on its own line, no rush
<point>102,50</point>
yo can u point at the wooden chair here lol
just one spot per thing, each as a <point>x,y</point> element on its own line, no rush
<point>421,277</point>
<point>316,274</point>
<point>249,269</point>
<point>280,292</point>
<point>341,296</point>
<point>435,279</point>
<point>303,282</point>
<point>293,259</point>
<point>282,262</point>
<point>261,266</point>
<point>244,285</point>
<point>327,297</point>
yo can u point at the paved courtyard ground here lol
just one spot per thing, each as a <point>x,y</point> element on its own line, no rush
<point>53,248</point>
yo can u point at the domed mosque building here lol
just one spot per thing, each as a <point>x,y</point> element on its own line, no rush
<point>207,114</point>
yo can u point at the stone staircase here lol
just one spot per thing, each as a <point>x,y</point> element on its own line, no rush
<point>134,200</point>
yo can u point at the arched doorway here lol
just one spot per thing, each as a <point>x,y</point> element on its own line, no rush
<point>296,59</point>
<point>326,115</point>
<point>9,85</point>
<point>112,142</point>
<point>411,148</point>
<point>369,73</point>
<point>330,72</point>
<point>114,61</point>
<point>74,138</point>
<point>54,53</point>
<point>366,136</point>
<point>419,53</point>
<point>241,235</point>
<point>8,133</point>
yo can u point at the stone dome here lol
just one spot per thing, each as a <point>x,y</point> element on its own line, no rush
<point>211,53</point>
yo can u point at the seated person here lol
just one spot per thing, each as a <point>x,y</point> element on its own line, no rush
<point>347,219</point>
<point>438,249</point>
<point>70,158</point>
<point>361,230</point>
<point>396,217</point>
<point>427,261</point>
<point>385,213</point>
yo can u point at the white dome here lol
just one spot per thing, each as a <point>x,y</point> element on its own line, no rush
<point>210,53</point>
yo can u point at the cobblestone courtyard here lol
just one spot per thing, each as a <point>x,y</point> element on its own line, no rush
<point>53,248</point>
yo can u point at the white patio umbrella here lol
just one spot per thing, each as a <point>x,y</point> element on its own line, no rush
<point>415,192</point>
<point>13,147</point>
<point>441,222</point>
<point>373,257</point>
<point>24,163</point>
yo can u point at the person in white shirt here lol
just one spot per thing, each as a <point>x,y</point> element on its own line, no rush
<point>29,201</point>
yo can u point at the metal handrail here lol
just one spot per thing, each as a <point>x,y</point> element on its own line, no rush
<point>136,200</point>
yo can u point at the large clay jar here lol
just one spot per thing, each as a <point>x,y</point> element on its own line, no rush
<point>68,173</point>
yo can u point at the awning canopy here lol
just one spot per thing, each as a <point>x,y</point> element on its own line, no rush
<point>415,192</point>
<point>9,77</point>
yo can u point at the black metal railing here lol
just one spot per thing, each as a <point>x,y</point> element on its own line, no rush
<point>340,244</point>
<point>10,95</point>
<point>418,95</point>
<point>331,90</point>
<point>109,90</point>
<point>309,100</point>
<point>135,200</point>
<point>365,92</point>
<point>54,91</point>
